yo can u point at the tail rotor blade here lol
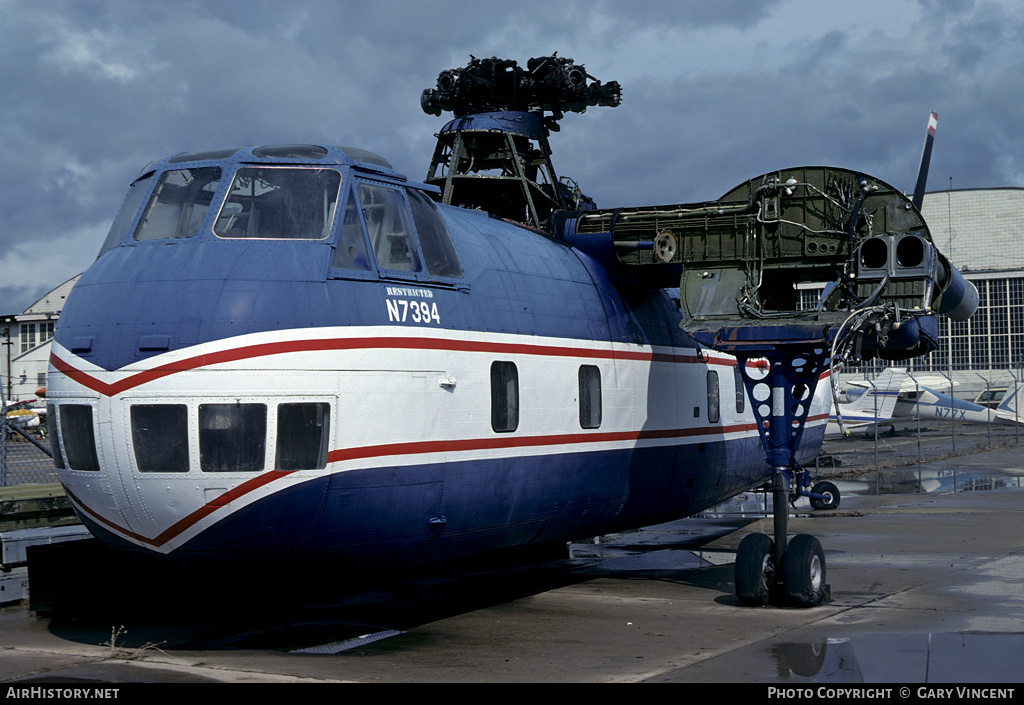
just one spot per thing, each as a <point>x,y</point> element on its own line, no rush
<point>926,157</point>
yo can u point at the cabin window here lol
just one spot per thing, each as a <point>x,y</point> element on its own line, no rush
<point>55,452</point>
<point>78,437</point>
<point>714,409</point>
<point>275,203</point>
<point>439,254</point>
<point>590,396</point>
<point>178,204</point>
<point>232,437</point>
<point>351,250</point>
<point>125,216</point>
<point>387,224</point>
<point>504,397</point>
<point>160,437</point>
<point>303,436</point>
<point>741,391</point>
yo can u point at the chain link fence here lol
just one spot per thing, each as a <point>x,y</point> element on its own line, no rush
<point>936,431</point>
<point>901,443</point>
<point>25,456</point>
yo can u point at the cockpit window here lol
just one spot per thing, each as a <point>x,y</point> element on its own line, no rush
<point>178,204</point>
<point>290,151</point>
<point>280,204</point>
<point>435,241</point>
<point>387,224</point>
<point>351,250</point>
<point>119,228</point>
<point>399,229</point>
<point>203,156</point>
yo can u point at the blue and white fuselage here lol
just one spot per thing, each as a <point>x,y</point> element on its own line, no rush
<point>294,351</point>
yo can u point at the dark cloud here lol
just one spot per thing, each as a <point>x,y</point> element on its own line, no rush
<point>714,93</point>
<point>853,98</point>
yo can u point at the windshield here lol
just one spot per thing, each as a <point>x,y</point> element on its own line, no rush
<point>119,228</point>
<point>178,204</point>
<point>280,203</point>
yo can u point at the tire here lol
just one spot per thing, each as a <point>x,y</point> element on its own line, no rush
<point>803,572</point>
<point>754,569</point>
<point>831,492</point>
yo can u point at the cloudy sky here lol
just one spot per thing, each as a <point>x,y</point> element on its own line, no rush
<point>714,93</point>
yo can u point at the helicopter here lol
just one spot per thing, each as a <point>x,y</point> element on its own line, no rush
<point>297,353</point>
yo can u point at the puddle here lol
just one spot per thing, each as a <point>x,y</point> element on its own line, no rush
<point>827,661</point>
<point>911,480</point>
<point>678,545</point>
<point>902,658</point>
<point>916,481</point>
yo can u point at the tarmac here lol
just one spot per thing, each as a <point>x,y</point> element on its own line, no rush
<point>925,565</point>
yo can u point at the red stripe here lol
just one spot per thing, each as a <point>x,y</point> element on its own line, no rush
<point>218,502</point>
<point>196,516</point>
<point>499,442</point>
<point>410,448</point>
<point>103,520</point>
<point>280,348</point>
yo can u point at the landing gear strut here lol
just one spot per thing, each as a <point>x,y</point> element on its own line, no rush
<point>777,570</point>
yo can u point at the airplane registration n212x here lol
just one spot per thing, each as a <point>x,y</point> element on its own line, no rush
<point>293,352</point>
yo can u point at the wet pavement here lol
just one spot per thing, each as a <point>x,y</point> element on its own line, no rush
<point>925,564</point>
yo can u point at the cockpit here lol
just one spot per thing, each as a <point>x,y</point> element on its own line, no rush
<point>386,225</point>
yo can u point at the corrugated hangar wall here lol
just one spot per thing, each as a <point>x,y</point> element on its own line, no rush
<point>978,229</point>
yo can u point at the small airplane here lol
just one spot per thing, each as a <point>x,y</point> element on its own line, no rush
<point>21,415</point>
<point>296,353</point>
<point>873,403</point>
<point>930,403</point>
<point>918,396</point>
<point>1008,411</point>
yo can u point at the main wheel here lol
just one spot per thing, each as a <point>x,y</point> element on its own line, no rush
<point>831,496</point>
<point>754,569</point>
<point>803,571</point>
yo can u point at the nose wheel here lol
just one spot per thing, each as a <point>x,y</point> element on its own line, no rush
<point>824,495</point>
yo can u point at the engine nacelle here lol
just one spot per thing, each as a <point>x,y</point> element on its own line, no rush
<point>956,297</point>
<point>911,268</point>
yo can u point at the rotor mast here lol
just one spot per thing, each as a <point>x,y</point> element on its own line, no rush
<point>494,155</point>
